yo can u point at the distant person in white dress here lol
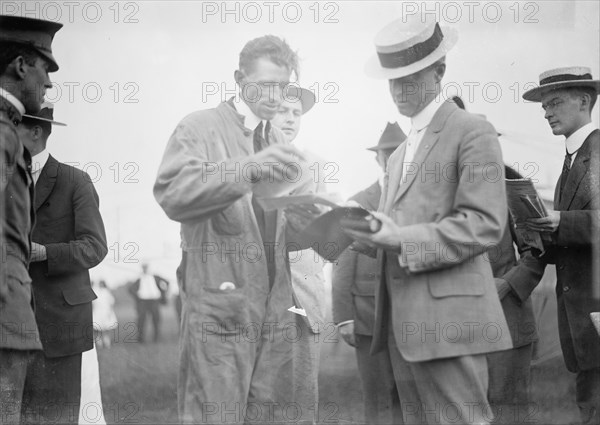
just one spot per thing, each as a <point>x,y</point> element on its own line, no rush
<point>105,319</point>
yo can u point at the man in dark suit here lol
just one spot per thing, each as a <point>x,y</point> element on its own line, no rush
<point>149,292</point>
<point>509,370</point>
<point>443,206</point>
<point>70,239</point>
<point>568,96</point>
<point>355,278</point>
<point>25,61</point>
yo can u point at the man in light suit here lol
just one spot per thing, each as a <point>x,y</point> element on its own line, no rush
<point>70,232</point>
<point>355,277</point>
<point>443,205</point>
<point>568,96</point>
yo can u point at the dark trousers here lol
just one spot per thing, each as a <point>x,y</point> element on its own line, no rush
<point>382,405</point>
<point>587,395</point>
<point>509,382</point>
<point>145,308</point>
<point>52,390</point>
<point>13,371</point>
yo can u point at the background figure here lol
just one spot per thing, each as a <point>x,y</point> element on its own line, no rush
<point>355,277</point>
<point>25,61</point>
<point>69,246</point>
<point>308,280</point>
<point>104,315</point>
<point>568,96</point>
<point>149,292</point>
<point>509,370</point>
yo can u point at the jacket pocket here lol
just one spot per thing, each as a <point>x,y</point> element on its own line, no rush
<point>230,220</point>
<point>79,295</point>
<point>444,284</point>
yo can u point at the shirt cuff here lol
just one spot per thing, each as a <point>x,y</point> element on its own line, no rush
<point>345,322</point>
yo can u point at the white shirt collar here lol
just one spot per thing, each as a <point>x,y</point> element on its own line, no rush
<point>38,161</point>
<point>575,140</point>
<point>424,117</point>
<point>13,100</point>
<point>251,121</point>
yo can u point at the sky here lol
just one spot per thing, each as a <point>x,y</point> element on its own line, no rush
<point>130,71</point>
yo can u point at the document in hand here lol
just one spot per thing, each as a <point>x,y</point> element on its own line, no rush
<point>324,234</point>
<point>524,202</point>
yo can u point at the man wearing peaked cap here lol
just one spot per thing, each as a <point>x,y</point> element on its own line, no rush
<point>568,96</point>
<point>355,277</point>
<point>25,60</point>
<point>64,251</point>
<point>438,218</point>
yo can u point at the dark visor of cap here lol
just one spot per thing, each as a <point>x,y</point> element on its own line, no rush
<point>414,53</point>
<point>564,77</point>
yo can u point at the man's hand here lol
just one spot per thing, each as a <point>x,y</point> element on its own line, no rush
<point>301,215</point>
<point>38,252</point>
<point>545,224</point>
<point>387,238</point>
<point>275,163</point>
<point>347,332</point>
<point>502,287</point>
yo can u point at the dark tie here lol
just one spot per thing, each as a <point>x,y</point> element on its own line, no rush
<point>565,172</point>
<point>260,142</point>
<point>267,220</point>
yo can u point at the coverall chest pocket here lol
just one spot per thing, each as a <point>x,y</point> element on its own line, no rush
<point>230,220</point>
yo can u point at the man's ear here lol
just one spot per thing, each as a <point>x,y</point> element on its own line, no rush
<point>37,133</point>
<point>238,76</point>
<point>20,67</point>
<point>585,102</point>
<point>440,70</point>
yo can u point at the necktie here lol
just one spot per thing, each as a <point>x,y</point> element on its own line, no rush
<point>260,141</point>
<point>565,171</point>
<point>267,220</point>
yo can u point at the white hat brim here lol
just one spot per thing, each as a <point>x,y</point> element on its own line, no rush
<point>535,95</point>
<point>374,69</point>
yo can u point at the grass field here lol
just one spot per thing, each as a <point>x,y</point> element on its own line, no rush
<point>139,381</point>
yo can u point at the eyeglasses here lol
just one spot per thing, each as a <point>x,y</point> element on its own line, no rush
<point>552,105</point>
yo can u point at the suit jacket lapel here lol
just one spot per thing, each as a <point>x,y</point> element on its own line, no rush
<point>393,181</point>
<point>578,171</point>
<point>46,181</point>
<point>430,139</point>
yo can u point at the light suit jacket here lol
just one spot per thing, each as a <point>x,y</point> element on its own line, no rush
<point>451,208</point>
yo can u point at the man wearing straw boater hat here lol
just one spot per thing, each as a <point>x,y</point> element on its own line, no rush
<point>568,96</point>
<point>443,204</point>
<point>355,277</point>
<point>70,235</point>
<point>25,61</point>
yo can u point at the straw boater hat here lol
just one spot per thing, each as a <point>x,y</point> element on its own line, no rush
<point>560,78</point>
<point>391,138</point>
<point>46,114</point>
<point>404,48</point>
<point>307,98</point>
<point>35,33</point>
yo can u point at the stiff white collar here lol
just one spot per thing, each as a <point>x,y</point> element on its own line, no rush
<point>423,118</point>
<point>12,99</point>
<point>251,121</point>
<point>575,140</point>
